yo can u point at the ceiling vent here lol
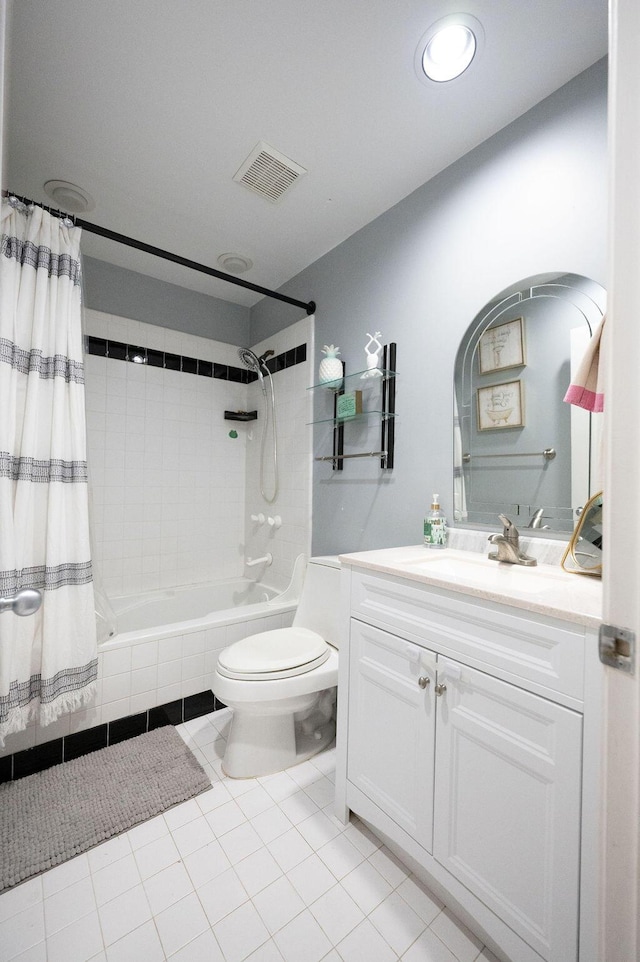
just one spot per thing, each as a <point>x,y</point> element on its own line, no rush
<point>268,172</point>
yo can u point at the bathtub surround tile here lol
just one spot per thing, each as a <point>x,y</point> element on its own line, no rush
<point>38,758</point>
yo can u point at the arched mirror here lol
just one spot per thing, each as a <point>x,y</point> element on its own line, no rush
<point>584,551</point>
<point>519,449</point>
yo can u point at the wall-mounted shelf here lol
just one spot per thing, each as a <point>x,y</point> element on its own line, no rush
<point>385,411</point>
<point>240,415</point>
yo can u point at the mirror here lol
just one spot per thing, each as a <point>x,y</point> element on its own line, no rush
<point>584,552</point>
<point>519,449</point>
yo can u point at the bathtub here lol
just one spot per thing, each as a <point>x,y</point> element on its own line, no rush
<point>167,642</point>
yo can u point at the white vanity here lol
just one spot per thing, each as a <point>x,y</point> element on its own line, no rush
<point>469,738</point>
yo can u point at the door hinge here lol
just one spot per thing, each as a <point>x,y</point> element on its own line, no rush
<point>617,648</point>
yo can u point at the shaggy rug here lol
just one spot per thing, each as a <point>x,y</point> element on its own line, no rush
<point>51,816</point>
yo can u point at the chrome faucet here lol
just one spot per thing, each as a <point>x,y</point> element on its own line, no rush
<point>508,546</point>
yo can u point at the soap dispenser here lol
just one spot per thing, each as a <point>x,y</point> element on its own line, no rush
<point>435,526</point>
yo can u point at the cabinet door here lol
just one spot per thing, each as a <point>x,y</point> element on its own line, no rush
<point>507,804</point>
<point>391,727</point>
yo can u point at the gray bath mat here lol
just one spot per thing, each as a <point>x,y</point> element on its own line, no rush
<point>51,816</point>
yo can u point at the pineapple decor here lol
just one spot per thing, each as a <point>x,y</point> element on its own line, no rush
<point>330,371</point>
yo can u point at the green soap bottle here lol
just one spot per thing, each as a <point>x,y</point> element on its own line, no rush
<point>435,526</point>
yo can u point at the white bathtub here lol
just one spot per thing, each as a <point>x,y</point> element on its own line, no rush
<point>167,642</point>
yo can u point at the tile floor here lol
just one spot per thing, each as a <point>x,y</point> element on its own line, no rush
<point>256,870</point>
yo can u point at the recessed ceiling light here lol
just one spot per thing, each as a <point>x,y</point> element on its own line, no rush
<point>235,263</point>
<point>69,197</point>
<point>448,47</point>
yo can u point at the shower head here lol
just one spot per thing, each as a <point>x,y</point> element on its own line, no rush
<point>250,360</point>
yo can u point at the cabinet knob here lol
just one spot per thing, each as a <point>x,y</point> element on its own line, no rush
<point>423,681</point>
<point>440,689</point>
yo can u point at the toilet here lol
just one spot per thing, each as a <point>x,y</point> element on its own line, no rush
<point>281,684</point>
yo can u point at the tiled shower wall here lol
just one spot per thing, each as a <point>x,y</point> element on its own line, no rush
<point>172,490</point>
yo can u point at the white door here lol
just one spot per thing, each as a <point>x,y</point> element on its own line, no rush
<point>391,727</point>
<point>507,804</point>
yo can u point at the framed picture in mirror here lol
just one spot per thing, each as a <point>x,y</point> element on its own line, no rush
<point>500,406</point>
<point>502,346</point>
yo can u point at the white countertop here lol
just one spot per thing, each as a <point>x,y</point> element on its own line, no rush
<point>545,589</point>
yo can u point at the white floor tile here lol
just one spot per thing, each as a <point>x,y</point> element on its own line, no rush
<point>278,904</point>
<point>147,832</point>
<point>365,942</point>
<point>193,835</point>
<point>337,913</point>
<point>311,879</point>
<point>141,944</point>
<point>203,949</point>
<point>227,877</point>
<point>240,842</point>
<point>152,858</point>
<point>421,900</point>
<point>168,887</point>
<point>23,896</point>
<point>63,875</point>
<point>225,817</point>
<point>302,939</point>
<point>68,906</point>
<point>397,923</point>
<point>340,856</point>
<point>222,895</point>
<point>290,849</point>
<point>206,863</point>
<point>114,879</point>
<point>111,851</point>
<point>21,931</point>
<point>318,829</point>
<point>77,942</point>
<point>366,886</point>
<point>456,936</point>
<point>124,914</point>
<point>181,923</point>
<point>241,933</point>
<point>428,948</point>
<point>271,824</point>
<point>298,806</point>
<point>258,870</point>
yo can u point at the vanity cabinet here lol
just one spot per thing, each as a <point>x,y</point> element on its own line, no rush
<point>463,747</point>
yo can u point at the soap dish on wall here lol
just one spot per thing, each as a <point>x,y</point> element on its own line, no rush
<point>240,415</point>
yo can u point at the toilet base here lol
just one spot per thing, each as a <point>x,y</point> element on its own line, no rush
<point>263,744</point>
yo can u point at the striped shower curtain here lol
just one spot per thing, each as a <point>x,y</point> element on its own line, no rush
<point>48,661</point>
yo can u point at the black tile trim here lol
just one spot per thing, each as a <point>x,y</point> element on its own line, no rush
<point>43,756</point>
<point>116,350</point>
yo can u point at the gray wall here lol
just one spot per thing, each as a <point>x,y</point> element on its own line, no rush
<point>116,290</point>
<point>532,199</point>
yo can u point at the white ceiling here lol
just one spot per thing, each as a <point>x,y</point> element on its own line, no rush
<point>152,105</point>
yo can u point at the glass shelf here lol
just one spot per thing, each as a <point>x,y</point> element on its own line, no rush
<point>356,417</point>
<point>385,375</point>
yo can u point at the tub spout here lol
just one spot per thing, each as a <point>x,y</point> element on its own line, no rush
<point>267,559</point>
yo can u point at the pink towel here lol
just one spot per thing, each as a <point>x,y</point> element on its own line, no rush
<point>587,390</point>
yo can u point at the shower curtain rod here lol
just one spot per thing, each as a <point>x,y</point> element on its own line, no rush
<point>309,307</point>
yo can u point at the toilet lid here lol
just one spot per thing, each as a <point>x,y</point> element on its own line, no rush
<point>274,654</point>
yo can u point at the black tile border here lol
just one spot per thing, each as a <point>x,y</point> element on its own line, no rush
<point>119,351</point>
<point>36,759</point>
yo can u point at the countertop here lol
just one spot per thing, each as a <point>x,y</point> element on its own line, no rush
<point>545,589</point>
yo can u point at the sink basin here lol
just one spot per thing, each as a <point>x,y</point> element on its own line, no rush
<point>469,568</point>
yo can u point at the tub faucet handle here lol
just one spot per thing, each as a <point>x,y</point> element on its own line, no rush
<point>258,518</point>
<point>274,522</point>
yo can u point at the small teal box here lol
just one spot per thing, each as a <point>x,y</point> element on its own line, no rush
<point>349,405</point>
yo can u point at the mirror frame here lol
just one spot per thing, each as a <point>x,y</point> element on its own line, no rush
<point>571,552</point>
<point>589,297</point>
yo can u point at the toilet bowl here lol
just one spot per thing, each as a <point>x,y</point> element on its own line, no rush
<point>281,684</point>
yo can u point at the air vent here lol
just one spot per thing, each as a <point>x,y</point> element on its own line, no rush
<point>268,172</point>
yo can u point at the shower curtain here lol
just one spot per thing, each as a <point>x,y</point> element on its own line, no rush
<point>48,661</point>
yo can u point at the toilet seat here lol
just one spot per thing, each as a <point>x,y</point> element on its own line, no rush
<point>270,655</point>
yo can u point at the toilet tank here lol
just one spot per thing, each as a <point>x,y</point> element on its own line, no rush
<point>319,606</point>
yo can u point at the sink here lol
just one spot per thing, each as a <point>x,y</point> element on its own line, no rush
<point>469,568</point>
